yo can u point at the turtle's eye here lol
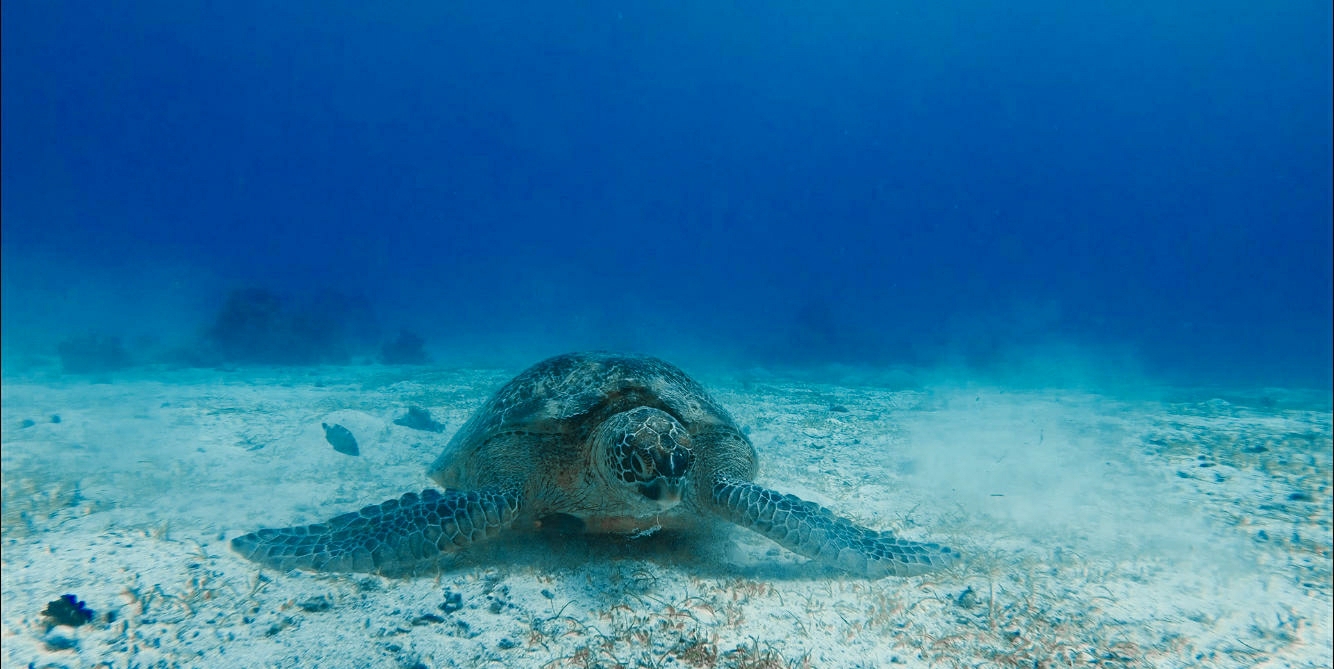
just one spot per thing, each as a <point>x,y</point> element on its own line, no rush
<point>638,466</point>
<point>635,466</point>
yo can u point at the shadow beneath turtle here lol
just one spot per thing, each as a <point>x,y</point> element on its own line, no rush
<point>701,551</point>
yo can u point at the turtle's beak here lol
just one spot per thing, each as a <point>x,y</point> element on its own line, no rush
<point>666,491</point>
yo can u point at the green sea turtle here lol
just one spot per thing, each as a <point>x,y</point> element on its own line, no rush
<point>595,442</point>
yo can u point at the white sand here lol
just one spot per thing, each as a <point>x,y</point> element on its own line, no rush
<point>1178,532</point>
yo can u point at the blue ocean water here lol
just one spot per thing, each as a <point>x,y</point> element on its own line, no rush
<point>1133,187</point>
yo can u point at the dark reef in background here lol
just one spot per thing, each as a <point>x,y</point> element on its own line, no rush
<point>407,349</point>
<point>255,326</point>
<point>92,354</point>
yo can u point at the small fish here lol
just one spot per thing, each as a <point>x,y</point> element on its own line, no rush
<point>418,418</point>
<point>341,439</point>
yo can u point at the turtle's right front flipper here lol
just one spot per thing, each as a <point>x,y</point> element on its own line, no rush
<point>386,537</point>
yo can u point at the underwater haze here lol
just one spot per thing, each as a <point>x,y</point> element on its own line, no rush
<point>1047,190</point>
<point>943,334</point>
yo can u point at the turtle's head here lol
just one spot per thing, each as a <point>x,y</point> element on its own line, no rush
<point>646,452</point>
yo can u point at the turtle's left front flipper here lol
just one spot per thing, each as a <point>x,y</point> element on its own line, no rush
<point>389,537</point>
<point>809,529</point>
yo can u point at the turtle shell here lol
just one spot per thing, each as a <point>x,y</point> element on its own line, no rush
<point>557,403</point>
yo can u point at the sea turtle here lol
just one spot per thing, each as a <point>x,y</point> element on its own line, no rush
<point>595,442</point>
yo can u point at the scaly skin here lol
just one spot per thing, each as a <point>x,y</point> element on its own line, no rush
<point>388,537</point>
<point>806,528</point>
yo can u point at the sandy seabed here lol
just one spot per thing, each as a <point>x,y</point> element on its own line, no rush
<point>1188,529</point>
